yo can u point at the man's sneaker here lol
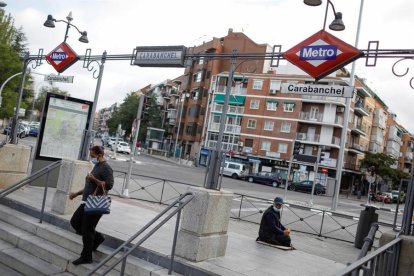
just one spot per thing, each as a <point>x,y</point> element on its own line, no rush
<point>82,260</point>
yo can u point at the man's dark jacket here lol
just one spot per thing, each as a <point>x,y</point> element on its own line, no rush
<point>270,226</point>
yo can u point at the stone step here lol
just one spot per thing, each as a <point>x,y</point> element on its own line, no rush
<point>24,262</point>
<point>7,271</point>
<point>59,246</point>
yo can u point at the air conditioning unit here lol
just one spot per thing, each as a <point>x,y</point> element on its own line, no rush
<point>272,91</point>
<point>301,136</point>
<point>241,144</point>
<point>340,109</point>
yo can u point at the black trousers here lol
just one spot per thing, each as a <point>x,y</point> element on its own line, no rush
<point>85,224</point>
<point>278,240</point>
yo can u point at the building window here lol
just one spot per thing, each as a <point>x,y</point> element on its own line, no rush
<point>282,148</point>
<point>254,104</point>
<point>201,60</point>
<point>198,76</point>
<point>285,127</point>
<point>248,142</point>
<point>271,105</point>
<point>288,106</point>
<point>269,125</point>
<point>274,86</point>
<point>251,123</point>
<point>257,84</point>
<point>265,146</point>
<point>195,94</point>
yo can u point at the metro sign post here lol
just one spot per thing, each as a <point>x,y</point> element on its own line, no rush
<point>321,54</point>
<point>62,57</point>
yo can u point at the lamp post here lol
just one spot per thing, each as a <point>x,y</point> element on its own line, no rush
<point>179,123</point>
<point>2,4</point>
<point>335,24</point>
<point>50,23</point>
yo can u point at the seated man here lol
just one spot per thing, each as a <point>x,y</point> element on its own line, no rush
<point>271,229</point>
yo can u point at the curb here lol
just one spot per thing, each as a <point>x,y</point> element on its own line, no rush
<point>379,208</point>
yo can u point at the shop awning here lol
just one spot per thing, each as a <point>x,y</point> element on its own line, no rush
<point>234,99</point>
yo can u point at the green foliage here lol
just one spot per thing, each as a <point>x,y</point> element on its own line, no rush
<point>127,113</point>
<point>12,47</point>
<point>382,164</point>
<point>40,101</point>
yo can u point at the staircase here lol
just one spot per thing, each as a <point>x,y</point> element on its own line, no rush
<point>28,247</point>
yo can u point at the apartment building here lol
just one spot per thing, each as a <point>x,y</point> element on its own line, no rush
<point>407,153</point>
<point>196,83</point>
<point>103,116</point>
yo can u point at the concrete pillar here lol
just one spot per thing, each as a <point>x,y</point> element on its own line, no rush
<point>71,179</point>
<point>406,262</point>
<point>203,233</point>
<point>14,162</point>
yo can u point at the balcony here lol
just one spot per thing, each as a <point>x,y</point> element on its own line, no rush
<point>273,154</point>
<point>234,90</point>
<point>336,141</point>
<point>311,117</point>
<point>171,121</point>
<point>224,146</point>
<point>357,148</point>
<point>247,149</point>
<point>359,109</point>
<point>307,138</point>
<point>323,99</point>
<point>409,156</point>
<point>227,128</point>
<point>359,129</point>
<point>352,165</point>
<point>378,139</point>
<point>230,110</point>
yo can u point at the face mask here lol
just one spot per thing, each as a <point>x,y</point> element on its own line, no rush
<point>276,209</point>
<point>94,161</point>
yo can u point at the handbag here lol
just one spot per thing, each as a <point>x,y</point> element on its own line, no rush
<point>98,204</point>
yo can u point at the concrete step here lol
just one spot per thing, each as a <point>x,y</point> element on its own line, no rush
<point>7,271</point>
<point>60,247</point>
<point>24,262</point>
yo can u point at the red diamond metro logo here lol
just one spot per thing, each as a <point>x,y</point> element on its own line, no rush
<point>62,57</point>
<point>322,54</point>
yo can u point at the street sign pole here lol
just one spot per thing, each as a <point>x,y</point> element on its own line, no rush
<point>318,157</point>
<point>125,190</point>
<point>289,169</point>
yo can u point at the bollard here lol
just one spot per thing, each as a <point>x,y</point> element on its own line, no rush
<point>366,218</point>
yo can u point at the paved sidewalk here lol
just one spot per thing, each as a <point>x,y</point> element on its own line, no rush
<point>243,257</point>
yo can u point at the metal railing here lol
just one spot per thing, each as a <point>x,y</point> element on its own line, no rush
<point>46,170</point>
<point>127,248</point>
<point>315,221</point>
<point>383,261</point>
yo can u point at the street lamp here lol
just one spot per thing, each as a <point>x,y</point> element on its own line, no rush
<point>337,24</point>
<point>338,20</point>
<point>2,4</point>
<point>178,82</point>
<point>50,23</point>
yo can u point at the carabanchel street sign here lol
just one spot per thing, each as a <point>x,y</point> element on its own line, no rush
<point>59,78</point>
<point>317,90</point>
<point>160,56</point>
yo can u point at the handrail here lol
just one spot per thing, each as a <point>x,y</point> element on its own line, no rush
<point>46,170</point>
<point>393,247</point>
<point>368,241</point>
<point>128,250</point>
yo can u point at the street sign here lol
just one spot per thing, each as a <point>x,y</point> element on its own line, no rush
<point>322,54</point>
<point>160,56</point>
<point>317,90</point>
<point>62,57</point>
<point>59,78</point>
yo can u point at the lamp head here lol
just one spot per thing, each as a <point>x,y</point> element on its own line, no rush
<point>69,17</point>
<point>312,2</point>
<point>50,22</point>
<point>2,4</point>
<point>84,37</point>
<point>337,24</point>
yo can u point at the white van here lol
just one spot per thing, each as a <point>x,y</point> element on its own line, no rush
<point>234,169</point>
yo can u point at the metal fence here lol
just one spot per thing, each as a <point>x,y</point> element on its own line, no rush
<point>319,222</point>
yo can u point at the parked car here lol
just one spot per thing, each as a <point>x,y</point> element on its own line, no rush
<point>234,169</point>
<point>394,197</point>
<point>266,178</point>
<point>123,147</point>
<point>34,131</point>
<point>306,186</point>
<point>21,133</point>
<point>381,197</point>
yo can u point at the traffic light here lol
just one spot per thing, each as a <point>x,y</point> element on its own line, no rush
<point>322,157</point>
<point>373,171</point>
<point>296,149</point>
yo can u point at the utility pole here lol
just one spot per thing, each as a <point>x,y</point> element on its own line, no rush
<point>125,191</point>
<point>318,158</point>
<point>289,168</point>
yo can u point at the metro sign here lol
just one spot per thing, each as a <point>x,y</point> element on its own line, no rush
<point>322,54</point>
<point>62,57</point>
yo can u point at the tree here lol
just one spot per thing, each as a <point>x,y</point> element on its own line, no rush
<point>127,113</point>
<point>383,166</point>
<point>40,101</point>
<point>12,47</point>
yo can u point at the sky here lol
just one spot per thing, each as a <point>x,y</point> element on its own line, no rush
<point>118,26</point>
